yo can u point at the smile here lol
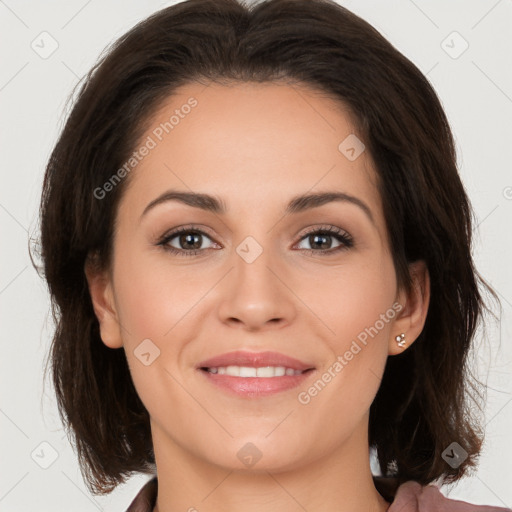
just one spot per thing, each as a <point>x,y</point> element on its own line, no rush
<point>250,382</point>
<point>248,371</point>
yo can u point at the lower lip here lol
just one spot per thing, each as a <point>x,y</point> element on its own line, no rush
<point>256,386</point>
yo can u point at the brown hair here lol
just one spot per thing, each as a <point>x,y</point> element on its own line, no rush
<point>421,407</point>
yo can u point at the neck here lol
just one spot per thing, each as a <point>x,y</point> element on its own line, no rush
<point>340,481</point>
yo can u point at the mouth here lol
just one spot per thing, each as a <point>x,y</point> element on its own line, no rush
<point>254,372</point>
<point>253,375</point>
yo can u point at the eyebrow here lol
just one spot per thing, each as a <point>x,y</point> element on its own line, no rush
<point>296,205</point>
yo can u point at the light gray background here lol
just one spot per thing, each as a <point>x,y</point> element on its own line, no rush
<point>476,90</point>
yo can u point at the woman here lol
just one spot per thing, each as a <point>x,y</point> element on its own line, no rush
<point>259,250</point>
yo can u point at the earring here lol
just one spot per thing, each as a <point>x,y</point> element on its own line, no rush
<point>400,339</point>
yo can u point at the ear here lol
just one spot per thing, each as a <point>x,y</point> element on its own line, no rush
<point>100,289</point>
<point>411,318</point>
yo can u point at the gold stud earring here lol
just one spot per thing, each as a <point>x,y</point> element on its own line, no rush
<point>400,339</point>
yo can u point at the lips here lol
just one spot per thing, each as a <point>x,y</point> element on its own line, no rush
<point>254,360</point>
<point>234,373</point>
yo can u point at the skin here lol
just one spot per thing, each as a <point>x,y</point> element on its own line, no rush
<point>256,146</point>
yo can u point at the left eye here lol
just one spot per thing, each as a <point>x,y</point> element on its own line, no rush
<point>322,240</point>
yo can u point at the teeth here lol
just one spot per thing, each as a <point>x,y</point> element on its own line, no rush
<point>246,371</point>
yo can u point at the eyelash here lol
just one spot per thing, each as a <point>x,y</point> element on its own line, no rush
<point>346,240</point>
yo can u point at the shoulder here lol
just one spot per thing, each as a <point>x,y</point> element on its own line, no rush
<point>145,499</point>
<point>409,497</point>
<point>413,497</point>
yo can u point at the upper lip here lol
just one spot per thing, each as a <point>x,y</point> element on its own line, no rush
<point>254,360</point>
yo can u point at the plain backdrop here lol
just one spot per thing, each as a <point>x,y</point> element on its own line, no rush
<point>464,47</point>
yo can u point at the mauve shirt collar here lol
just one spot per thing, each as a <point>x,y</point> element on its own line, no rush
<point>410,497</point>
<point>413,497</point>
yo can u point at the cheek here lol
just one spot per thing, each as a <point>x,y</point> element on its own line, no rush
<point>151,300</point>
<point>357,307</point>
<point>352,298</point>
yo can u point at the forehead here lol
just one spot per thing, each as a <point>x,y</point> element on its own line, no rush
<point>246,142</point>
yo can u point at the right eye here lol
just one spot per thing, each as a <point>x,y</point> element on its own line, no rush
<point>184,241</point>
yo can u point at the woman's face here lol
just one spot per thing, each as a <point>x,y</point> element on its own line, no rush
<point>255,269</point>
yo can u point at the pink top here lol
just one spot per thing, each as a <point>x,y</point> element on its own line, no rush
<point>410,497</point>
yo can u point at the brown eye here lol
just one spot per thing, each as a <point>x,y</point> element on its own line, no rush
<point>186,241</point>
<point>190,240</point>
<point>321,240</point>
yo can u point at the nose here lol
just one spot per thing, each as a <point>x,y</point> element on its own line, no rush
<point>255,295</point>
